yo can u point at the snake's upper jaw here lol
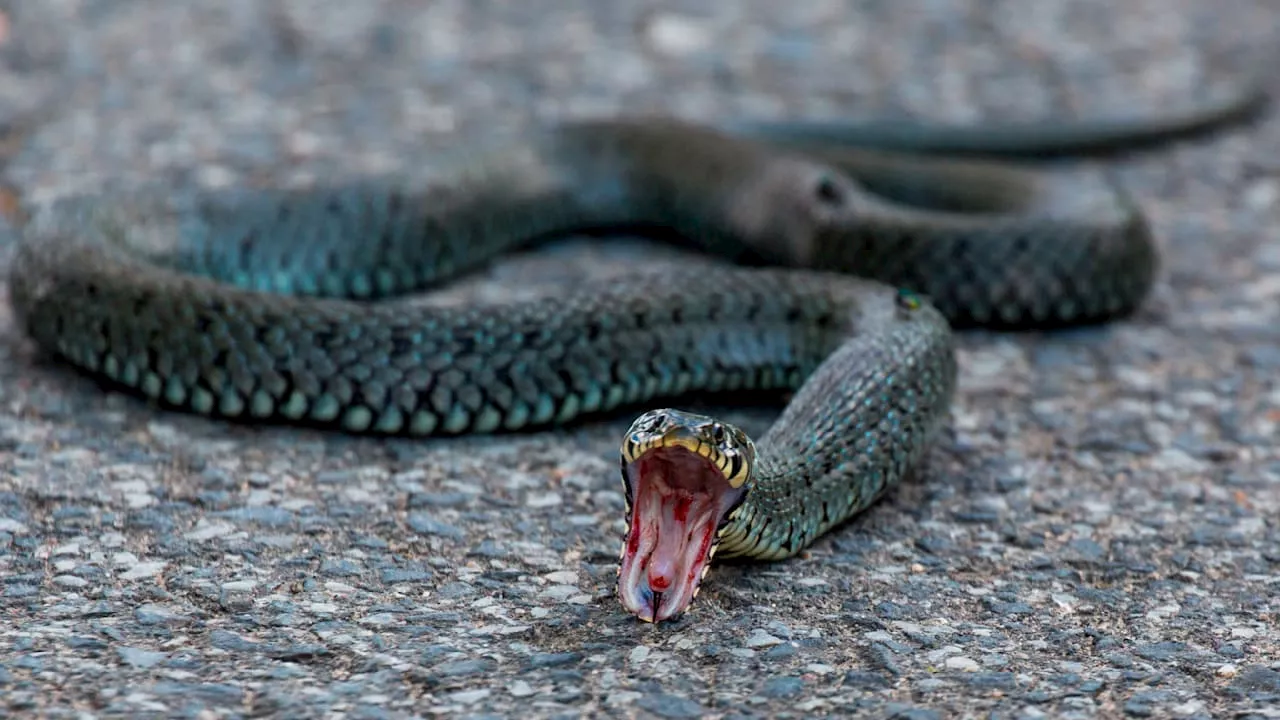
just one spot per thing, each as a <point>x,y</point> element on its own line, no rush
<point>677,501</point>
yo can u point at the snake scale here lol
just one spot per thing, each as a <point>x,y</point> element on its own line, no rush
<point>852,259</point>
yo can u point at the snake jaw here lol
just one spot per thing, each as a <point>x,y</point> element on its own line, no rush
<point>684,476</point>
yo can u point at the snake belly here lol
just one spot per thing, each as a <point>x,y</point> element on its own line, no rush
<point>258,304</point>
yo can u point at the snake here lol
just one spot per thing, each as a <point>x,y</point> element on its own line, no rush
<point>848,257</point>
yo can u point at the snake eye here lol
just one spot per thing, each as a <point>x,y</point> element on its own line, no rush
<point>828,191</point>
<point>717,434</point>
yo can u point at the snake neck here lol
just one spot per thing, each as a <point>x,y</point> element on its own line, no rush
<point>859,424</point>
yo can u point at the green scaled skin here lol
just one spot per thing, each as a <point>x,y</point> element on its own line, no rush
<point>253,304</point>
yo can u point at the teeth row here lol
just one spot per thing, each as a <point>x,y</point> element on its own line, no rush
<point>726,463</point>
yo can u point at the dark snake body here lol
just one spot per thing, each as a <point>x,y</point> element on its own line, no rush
<point>251,304</point>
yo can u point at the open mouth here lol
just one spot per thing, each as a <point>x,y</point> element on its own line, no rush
<point>678,500</point>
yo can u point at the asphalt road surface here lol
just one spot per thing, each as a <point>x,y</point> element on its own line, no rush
<point>1096,535</point>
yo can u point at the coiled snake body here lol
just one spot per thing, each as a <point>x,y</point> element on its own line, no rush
<point>252,304</point>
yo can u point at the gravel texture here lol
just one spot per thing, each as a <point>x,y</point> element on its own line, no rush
<point>1096,536</point>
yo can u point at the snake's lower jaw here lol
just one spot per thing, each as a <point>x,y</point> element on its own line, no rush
<point>659,585</point>
<point>678,501</point>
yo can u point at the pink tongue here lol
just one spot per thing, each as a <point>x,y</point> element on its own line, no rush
<point>683,520</point>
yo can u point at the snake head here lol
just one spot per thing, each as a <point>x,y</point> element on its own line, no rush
<point>684,477</point>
